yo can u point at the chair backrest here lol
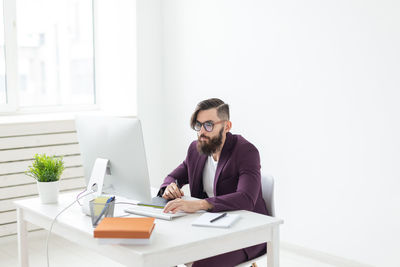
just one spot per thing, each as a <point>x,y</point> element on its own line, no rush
<point>267,184</point>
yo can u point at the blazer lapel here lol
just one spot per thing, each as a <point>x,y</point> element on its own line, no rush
<point>197,187</point>
<point>225,155</point>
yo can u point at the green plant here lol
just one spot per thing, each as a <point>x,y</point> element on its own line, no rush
<point>46,168</point>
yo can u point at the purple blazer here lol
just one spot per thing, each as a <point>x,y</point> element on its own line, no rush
<point>237,183</point>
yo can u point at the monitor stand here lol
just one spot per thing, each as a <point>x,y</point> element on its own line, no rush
<point>101,167</point>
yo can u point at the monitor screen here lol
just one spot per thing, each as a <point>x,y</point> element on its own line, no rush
<point>120,140</point>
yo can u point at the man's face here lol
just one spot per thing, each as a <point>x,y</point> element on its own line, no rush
<point>209,142</point>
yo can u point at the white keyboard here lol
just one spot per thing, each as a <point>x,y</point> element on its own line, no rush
<point>153,212</point>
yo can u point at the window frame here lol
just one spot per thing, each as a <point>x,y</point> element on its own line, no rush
<point>11,67</point>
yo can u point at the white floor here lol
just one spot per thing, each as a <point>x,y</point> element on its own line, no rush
<point>64,253</point>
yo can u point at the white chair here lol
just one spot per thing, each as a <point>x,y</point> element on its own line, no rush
<point>267,184</point>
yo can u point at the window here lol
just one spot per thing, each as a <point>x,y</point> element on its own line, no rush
<point>54,54</point>
<point>3,96</point>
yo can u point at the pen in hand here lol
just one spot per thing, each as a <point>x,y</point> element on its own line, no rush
<point>219,217</point>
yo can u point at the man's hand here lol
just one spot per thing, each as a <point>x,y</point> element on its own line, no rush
<point>172,191</point>
<point>189,206</point>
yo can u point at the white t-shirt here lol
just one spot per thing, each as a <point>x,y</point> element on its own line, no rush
<point>209,175</point>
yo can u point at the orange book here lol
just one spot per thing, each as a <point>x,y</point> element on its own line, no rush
<point>114,227</point>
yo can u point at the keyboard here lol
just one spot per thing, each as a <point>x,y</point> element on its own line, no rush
<point>153,212</point>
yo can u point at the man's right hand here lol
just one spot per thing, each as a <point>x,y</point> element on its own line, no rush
<point>172,191</point>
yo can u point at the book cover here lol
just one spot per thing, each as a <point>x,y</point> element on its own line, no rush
<point>114,227</point>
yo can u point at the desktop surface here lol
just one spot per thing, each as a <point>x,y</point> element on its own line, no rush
<point>170,237</point>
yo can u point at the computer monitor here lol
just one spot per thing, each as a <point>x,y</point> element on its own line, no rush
<point>119,140</point>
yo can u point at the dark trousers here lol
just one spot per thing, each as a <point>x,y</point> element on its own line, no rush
<point>228,259</point>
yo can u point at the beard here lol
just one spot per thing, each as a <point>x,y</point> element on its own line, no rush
<point>210,147</point>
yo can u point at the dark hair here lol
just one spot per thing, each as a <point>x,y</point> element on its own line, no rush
<point>221,106</point>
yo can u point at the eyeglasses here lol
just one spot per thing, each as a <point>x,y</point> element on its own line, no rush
<point>208,125</point>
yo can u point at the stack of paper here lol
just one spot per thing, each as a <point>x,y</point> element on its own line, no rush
<point>112,230</point>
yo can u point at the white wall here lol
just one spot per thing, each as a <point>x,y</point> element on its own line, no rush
<point>115,54</point>
<point>149,83</point>
<point>314,85</point>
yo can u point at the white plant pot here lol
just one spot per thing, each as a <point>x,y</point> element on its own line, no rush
<point>48,191</point>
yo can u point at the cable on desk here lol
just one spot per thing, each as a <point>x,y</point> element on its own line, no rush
<point>77,197</point>
<point>94,189</point>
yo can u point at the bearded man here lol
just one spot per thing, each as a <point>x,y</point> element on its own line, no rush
<point>222,170</point>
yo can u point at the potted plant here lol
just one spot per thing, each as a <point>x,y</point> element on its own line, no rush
<point>47,171</point>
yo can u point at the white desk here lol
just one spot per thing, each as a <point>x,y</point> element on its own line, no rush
<point>174,242</point>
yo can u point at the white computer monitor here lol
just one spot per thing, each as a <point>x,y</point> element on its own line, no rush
<point>119,140</point>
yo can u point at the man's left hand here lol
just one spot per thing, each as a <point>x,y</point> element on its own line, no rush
<point>189,206</point>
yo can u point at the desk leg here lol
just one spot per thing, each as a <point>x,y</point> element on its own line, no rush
<point>273,248</point>
<point>22,239</point>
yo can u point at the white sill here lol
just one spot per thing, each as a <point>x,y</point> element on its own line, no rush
<point>43,117</point>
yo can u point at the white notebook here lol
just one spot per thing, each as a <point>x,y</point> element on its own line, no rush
<point>224,222</point>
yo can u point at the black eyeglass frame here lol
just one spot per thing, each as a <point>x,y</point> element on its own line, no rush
<point>207,125</point>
